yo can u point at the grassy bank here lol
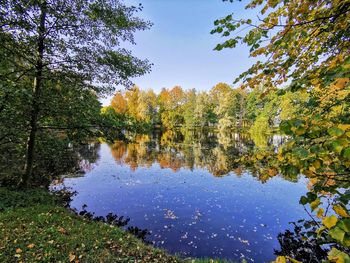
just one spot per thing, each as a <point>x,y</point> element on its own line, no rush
<point>34,227</point>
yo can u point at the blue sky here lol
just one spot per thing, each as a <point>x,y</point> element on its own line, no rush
<point>180,45</point>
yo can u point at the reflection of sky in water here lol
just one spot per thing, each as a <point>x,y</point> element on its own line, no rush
<point>193,212</point>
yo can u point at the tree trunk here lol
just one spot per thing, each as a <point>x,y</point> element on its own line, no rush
<point>36,97</point>
<point>241,111</point>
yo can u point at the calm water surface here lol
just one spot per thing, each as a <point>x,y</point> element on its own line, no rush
<point>189,196</point>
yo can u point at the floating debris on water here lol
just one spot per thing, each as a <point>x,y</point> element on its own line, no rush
<point>170,214</point>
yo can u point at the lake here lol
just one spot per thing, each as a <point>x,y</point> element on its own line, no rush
<point>187,191</point>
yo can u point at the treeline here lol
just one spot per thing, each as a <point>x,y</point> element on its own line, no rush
<point>222,107</point>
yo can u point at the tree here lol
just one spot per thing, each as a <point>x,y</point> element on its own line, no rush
<point>147,106</point>
<point>70,42</point>
<point>203,112</point>
<point>241,97</point>
<point>119,103</point>
<point>189,108</point>
<point>171,106</point>
<point>307,43</point>
<point>219,90</point>
<point>132,98</point>
<point>232,107</point>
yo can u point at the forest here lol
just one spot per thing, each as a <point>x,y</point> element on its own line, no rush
<point>59,58</point>
<point>223,108</point>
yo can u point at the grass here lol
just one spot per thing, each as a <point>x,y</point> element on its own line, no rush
<point>35,227</point>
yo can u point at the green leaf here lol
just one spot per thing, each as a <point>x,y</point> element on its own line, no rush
<point>345,225</point>
<point>335,131</point>
<point>346,153</point>
<point>337,234</point>
<point>291,170</point>
<point>338,255</point>
<point>301,153</point>
<point>311,196</point>
<point>285,127</point>
<point>346,241</point>
<point>336,146</point>
<point>303,200</point>
<point>315,148</point>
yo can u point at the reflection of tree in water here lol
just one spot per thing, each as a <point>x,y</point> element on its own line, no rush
<point>260,139</point>
<point>59,157</point>
<point>221,162</point>
<point>135,153</point>
<point>56,154</point>
<point>118,150</point>
<point>88,154</point>
<point>170,160</point>
<point>133,156</point>
<point>266,139</point>
<point>189,149</point>
<point>238,171</point>
<point>304,244</point>
<point>171,137</point>
<point>296,245</point>
<point>225,153</point>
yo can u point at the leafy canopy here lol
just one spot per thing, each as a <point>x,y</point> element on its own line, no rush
<point>82,38</point>
<point>307,41</point>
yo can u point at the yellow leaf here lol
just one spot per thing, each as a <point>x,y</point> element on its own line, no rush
<point>344,127</point>
<point>272,171</point>
<point>341,82</point>
<point>260,156</point>
<point>71,257</point>
<point>315,204</point>
<point>330,221</point>
<point>280,156</point>
<point>300,131</point>
<point>317,164</point>
<point>293,260</point>
<point>340,211</point>
<point>281,259</point>
<point>315,81</point>
<point>312,169</point>
<point>62,230</point>
<point>320,213</point>
<point>30,246</point>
